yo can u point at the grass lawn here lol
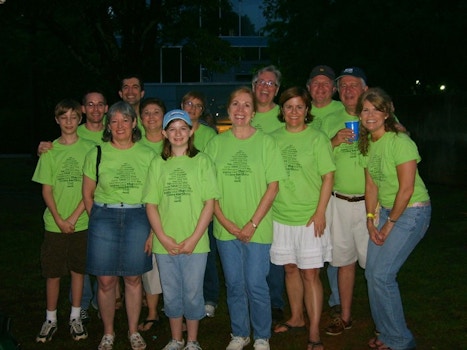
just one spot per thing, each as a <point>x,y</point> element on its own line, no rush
<point>432,282</point>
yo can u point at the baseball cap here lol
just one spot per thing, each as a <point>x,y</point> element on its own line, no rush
<point>354,72</point>
<point>322,70</point>
<point>176,114</point>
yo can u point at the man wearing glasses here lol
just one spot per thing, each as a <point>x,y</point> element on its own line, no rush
<point>265,85</point>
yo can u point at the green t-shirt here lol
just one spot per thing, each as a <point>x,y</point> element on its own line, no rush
<point>349,177</point>
<point>179,187</point>
<point>244,169</point>
<point>94,136</point>
<point>202,136</point>
<point>122,173</point>
<point>267,122</point>
<point>320,113</point>
<point>307,156</point>
<point>62,168</point>
<point>155,146</point>
<point>383,157</point>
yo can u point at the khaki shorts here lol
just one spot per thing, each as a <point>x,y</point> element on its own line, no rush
<point>151,279</point>
<point>349,233</point>
<point>62,253</point>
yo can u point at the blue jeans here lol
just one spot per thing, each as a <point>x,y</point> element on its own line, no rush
<point>383,264</point>
<point>334,298</point>
<point>182,284</point>
<point>211,276</point>
<point>246,267</point>
<point>276,283</point>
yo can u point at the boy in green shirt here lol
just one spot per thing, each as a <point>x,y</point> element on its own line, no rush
<point>64,248</point>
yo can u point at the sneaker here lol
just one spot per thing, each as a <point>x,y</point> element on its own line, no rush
<point>137,342</point>
<point>238,343</point>
<point>192,345</point>
<point>77,330</point>
<point>261,344</point>
<point>210,310</point>
<point>337,326</point>
<point>83,314</point>
<point>174,345</point>
<point>107,342</point>
<point>47,331</point>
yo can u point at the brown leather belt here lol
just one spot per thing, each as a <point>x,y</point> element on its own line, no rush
<point>348,199</point>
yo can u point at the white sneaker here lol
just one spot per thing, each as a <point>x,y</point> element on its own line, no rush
<point>48,330</point>
<point>238,343</point>
<point>174,345</point>
<point>77,330</point>
<point>210,310</point>
<point>261,344</point>
<point>107,342</point>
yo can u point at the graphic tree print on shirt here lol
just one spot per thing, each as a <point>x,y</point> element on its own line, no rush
<point>70,172</point>
<point>177,186</point>
<point>125,179</point>
<point>238,166</point>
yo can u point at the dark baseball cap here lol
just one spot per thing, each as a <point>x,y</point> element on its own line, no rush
<point>354,72</point>
<point>322,70</point>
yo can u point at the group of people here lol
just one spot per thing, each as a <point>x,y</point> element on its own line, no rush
<point>286,190</point>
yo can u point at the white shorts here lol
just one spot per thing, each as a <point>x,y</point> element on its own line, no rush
<point>349,233</point>
<point>151,279</point>
<point>298,245</point>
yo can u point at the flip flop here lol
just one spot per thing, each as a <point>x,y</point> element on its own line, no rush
<point>288,328</point>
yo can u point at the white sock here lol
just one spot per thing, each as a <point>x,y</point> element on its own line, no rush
<point>51,315</point>
<point>75,313</point>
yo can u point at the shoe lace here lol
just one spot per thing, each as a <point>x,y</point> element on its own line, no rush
<point>46,326</point>
<point>237,340</point>
<point>77,326</point>
<point>192,346</point>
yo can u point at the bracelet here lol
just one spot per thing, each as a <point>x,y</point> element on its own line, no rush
<point>391,220</point>
<point>370,216</point>
<point>254,225</point>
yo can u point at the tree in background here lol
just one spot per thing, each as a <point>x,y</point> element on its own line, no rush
<point>397,42</point>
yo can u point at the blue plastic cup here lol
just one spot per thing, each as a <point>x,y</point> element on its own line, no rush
<point>354,125</point>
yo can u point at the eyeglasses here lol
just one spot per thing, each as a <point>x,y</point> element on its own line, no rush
<point>268,83</point>
<point>192,105</point>
<point>94,104</point>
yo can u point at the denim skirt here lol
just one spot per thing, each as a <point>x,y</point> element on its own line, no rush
<point>116,239</point>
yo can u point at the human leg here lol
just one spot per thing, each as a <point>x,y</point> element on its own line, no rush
<point>276,284</point>
<point>106,300</point>
<point>294,287</point>
<point>383,265</point>
<point>313,296</point>
<point>211,276</point>
<point>152,287</point>
<point>233,263</point>
<point>133,293</point>
<point>256,270</point>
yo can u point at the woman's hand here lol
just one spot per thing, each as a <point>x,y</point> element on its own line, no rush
<point>148,244</point>
<point>319,224</point>
<point>247,232</point>
<point>172,247</point>
<point>379,237</point>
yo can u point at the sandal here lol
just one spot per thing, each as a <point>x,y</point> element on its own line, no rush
<point>119,303</point>
<point>376,344</point>
<point>315,344</point>
<point>143,326</point>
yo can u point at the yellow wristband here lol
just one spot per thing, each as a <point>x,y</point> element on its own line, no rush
<point>370,216</point>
